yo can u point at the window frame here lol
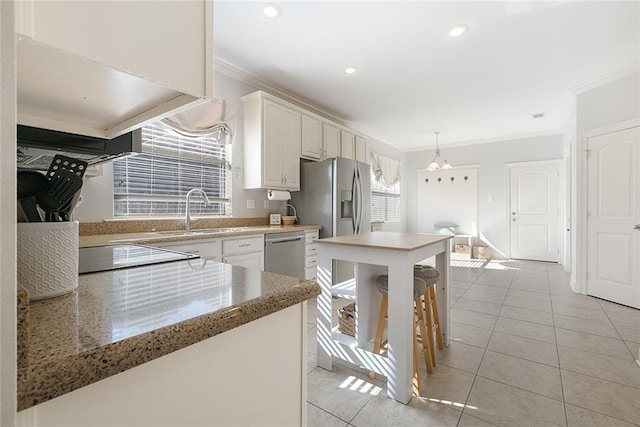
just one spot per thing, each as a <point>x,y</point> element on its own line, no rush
<point>199,160</point>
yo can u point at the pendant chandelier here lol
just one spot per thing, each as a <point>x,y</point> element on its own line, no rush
<point>437,163</point>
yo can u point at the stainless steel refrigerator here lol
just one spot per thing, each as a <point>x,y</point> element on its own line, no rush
<point>335,194</point>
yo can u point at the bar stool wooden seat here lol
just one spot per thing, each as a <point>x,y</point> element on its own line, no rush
<point>431,277</point>
<point>379,346</point>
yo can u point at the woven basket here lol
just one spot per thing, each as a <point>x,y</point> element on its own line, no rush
<point>347,319</point>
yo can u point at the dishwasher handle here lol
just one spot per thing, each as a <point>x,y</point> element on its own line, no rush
<point>283,240</point>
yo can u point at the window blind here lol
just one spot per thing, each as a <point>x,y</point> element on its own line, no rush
<point>385,201</point>
<point>156,181</point>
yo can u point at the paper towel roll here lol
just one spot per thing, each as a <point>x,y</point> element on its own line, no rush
<point>278,195</point>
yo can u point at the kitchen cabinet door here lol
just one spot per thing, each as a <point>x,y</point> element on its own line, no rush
<point>291,149</point>
<point>273,146</point>
<point>361,149</point>
<point>272,133</point>
<point>311,135</point>
<point>330,140</point>
<point>346,144</point>
<point>253,260</point>
<point>107,73</point>
<point>206,249</point>
<point>110,33</point>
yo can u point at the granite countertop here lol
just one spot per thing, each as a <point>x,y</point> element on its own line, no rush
<point>387,240</point>
<point>164,236</point>
<point>117,320</point>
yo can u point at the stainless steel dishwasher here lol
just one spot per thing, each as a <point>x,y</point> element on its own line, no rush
<point>284,253</point>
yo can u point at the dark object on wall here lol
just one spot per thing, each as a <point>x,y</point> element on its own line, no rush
<point>36,147</point>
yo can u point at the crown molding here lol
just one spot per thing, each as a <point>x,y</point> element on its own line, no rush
<point>251,79</point>
<point>606,79</point>
<point>503,138</point>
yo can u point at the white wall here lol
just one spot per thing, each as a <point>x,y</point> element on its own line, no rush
<point>7,215</point>
<point>608,104</point>
<point>491,159</point>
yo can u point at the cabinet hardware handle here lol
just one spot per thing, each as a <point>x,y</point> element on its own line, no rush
<point>636,227</point>
<point>244,245</point>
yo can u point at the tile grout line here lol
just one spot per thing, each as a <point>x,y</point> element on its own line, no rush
<point>564,402</point>
<point>475,377</point>
<point>636,357</point>
<point>327,412</point>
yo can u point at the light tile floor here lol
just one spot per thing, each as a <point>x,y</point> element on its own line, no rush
<point>525,350</point>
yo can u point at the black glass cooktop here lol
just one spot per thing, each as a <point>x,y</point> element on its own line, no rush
<point>106,258</point>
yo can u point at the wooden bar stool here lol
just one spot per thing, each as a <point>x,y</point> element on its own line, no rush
<point>379,345</point>
<point>431,277</point>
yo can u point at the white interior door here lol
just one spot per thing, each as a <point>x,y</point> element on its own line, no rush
<point>533,212</point>
<point>613,212</point>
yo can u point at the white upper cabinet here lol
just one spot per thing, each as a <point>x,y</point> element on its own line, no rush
<point>272,139</point>
<point>311,138</point>
<point>331,140</point>
<point>102,68</point>
<point>361,149</point>
<point>347,144</point>
<point>320,139</point>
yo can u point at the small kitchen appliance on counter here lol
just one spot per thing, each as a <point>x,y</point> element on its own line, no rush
<point>115,257</point>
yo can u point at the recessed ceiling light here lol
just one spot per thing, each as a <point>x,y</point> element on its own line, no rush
<point>271,11</point>
<point>458,30</point>
<point>350,70</point>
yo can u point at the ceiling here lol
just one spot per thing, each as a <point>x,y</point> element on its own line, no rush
<point>412,79</point>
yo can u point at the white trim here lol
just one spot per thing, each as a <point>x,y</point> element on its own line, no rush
<point>7,214</point>
<point>209,71</point>
<point>551,132</point>
<point>258,82</point>
<point>582,191</point>
<point>616,127</point>
<point>561,203</point>
<point>473,165</point>
<point>606,79</point>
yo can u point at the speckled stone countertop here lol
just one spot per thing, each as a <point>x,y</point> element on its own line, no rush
<point>163,236</point>
<point>117,320</point>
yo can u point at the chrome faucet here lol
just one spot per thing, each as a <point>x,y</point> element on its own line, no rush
<point>187,211</point>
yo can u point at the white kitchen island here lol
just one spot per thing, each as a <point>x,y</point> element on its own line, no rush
<point>377,253</point>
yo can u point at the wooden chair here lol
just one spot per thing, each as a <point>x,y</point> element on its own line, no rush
<point>379,345</point>
<point>431,277</point>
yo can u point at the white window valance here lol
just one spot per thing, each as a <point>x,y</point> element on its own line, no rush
<point>385,169</point>
<point>211,118</point>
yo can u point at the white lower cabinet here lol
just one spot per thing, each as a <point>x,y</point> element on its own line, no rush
<point>244,251</point>
<point>311,255</point>
<point>220,381</point>
<point>206,249</point>
<point>253,260</point>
